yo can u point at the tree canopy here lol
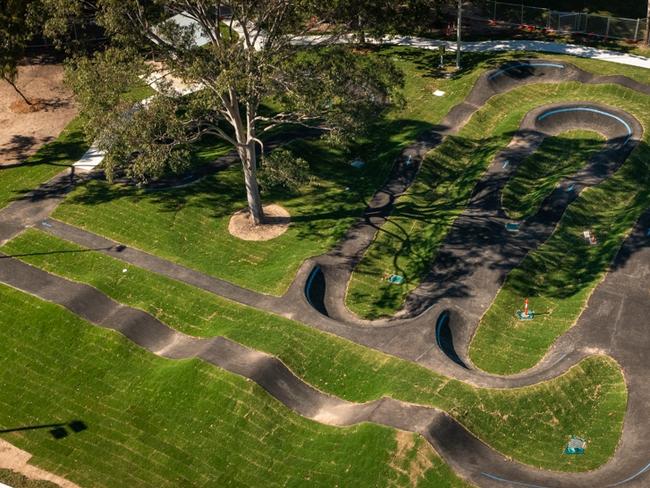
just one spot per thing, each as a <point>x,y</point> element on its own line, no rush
<point>237,56</point>
<point>17,22</point>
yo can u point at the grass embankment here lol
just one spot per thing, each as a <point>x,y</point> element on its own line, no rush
<point>560,276</point>
<point>409,241</point>
<point>189,225</point>
<point>538,417</point>
<point>536,177</point>
<point>156,422</point>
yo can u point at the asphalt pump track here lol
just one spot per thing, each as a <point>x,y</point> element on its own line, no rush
<point>613,323</point>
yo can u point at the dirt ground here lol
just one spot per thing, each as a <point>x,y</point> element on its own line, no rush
<point>22,131</point>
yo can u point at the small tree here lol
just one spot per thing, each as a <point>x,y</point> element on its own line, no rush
<point>250,57</point>
<point>16,29</point>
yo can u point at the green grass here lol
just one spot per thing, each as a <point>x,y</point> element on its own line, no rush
<point>49,160</point>
<point>560,275</point>
<point>157,422</point>
<point>536,177</point>
<point>408,242</point>
<point>189,225</point>
<point>549,410</point>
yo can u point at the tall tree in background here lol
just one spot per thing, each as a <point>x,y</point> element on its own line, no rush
<point>646,39</point>
<point>16,29</point>
<point>251,56</point>
<point>376,18</point>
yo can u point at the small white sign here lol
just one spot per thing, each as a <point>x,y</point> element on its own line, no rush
<point>439,93</point>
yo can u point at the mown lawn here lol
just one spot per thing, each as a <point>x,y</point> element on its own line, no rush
<point>538,417</point>
<point>156,422</point>
<point>189,225</point>
<point>538,175</point>
<point>408,243</point>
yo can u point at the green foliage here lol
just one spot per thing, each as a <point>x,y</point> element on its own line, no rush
<point>339,87</point>
<point>282,170</point>
<point>100,83</point>
<point>17,26</point>
<point>236,73</point>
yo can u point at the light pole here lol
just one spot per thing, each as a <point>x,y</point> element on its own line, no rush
<point>458,24</point>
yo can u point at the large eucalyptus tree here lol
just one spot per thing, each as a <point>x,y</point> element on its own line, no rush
<point>238,54</point>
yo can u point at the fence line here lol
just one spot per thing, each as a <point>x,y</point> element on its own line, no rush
<point>567,22</point>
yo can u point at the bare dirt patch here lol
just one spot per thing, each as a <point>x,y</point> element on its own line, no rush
<point>25,128</point>
<point>277,223</point>
<point>17,460</point>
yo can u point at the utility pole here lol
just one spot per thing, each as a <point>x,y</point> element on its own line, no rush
<point>458,27</point>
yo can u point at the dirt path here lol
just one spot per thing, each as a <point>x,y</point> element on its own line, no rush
<point>23,132</point>
<point>17,460</point>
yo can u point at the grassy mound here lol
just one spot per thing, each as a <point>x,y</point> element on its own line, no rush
<point>549,411</point>
<point>536,176</point>
<point>559,276</point>
<point>155,422</point>
<point>408,243</point>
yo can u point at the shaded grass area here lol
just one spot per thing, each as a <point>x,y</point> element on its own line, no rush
<point>536,177</point>
<point>407,244</point>
<point>156,422</point>
<point>538,417</point>
<point>53,158</point>
<point>189,225</point>
<point>49,160</point>
<point>560,276</point>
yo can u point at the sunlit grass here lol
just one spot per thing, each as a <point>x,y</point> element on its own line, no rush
<point>539,417</point>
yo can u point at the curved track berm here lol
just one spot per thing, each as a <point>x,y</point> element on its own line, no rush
<point>612,324</point>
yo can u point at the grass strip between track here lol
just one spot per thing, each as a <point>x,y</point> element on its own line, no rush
<point>529,424</point>
<point>538,175</point>
<point>150,421</point>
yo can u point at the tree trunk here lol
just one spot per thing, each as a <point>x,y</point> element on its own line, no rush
<point>8,80</point>
<point>249,161</point>
<point>646,38</point>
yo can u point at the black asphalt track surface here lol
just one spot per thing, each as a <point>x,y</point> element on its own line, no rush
<point>463,281</point>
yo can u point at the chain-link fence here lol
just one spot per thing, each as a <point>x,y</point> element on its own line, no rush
<point>567,22</point>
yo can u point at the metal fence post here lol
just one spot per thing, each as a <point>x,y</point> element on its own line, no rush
<point>636,30</point>
<point>607,31</point>
<point>495,11</point>
<point>522,14</point>
<point>586,23</point>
